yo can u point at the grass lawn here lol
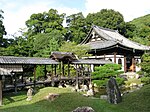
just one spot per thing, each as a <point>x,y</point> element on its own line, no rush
<point>138,101</point>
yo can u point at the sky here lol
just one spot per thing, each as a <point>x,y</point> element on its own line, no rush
<point>16,12</point>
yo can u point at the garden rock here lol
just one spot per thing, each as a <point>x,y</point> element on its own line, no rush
<point>84,88</point>
<point>29,94</point>
<point>52,96</point>
<point>104,97</point>
<point>83,109</point>
<point>113,92</point>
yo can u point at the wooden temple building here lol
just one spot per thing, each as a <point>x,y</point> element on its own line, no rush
<point>110,45</point>
<point>12,68</point>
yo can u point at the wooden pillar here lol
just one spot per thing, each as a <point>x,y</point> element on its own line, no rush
<point>68,69</point>
<point>63,72</point>
<point>3,81</point>
<point>90,74</point>
<point>60,68</point>
<point>52,69</point>
<point>1,90</point>
<point>125,64</point>
<point>15,83</point>
<point>34,76</point>
<point>77,81</point>
<point>22,78</point>
<point>55,69</point>
<point>104,56</point>
<point>45,72</point>
<point>115,57</point>
<point>133,64</point>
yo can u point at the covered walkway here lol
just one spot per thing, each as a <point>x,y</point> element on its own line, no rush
<point>10,66</point>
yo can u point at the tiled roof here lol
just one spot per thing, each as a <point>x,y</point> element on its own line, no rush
<point>91,61</point>
<point>115,36</point>
<point>101,45</point>
<point>26,60</point>
<point>111,37</point>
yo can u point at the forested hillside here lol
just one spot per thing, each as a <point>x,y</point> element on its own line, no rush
<point>142,30</point>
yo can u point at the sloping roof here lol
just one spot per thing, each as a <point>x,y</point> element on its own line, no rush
<point>62,55</point>
<point>26,60</point>
<point>112,37</point>
<point>91,61</point>
<point>101,45</point>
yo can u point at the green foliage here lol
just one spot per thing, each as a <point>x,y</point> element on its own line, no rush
<point>107,18</point>
<point>137,101</point>
<point>39,71</point>
<point>77,27</point>
<point>142,30</point>
<point>134,80</point>
<point>120,81</point>
<point>100,83</point>
<point>106,71</point>
<point>44,22</point>
<point>145,65</point>
<point>79,50</point>
<point>102,73</point>
<point>145,80</point>
<point>44,44</point>
<point>2,30</point>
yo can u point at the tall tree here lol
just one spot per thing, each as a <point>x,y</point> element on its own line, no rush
<point>44,22</point>
<point>45,43</point>
<point>107,18</point>
<point>77,27</point>
<point>2,29</point>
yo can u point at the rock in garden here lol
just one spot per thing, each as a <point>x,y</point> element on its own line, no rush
<point>104,97</point>
<point>113,92</point>
<point>84,88</point>
<point>83,109</point>
<point>29,94</point>
<point>52,96</point>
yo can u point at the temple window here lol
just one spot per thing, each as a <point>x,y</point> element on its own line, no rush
<point>119,61</point>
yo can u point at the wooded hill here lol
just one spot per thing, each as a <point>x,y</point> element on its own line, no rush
<point>142,30</point>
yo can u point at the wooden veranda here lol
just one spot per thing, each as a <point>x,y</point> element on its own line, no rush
<point>10,66</point>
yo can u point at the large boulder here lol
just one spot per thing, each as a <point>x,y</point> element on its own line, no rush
<point>113,92</point>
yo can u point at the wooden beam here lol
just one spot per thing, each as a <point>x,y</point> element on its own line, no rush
<point>52,69</point>
<point>63,70</point>
<point>1,90</point>
<point>115,57</point>
<point>55,69</point>
<point>45,71</point>
<point>125,64</point>
<point>68,69</point>
<point>34,76</point>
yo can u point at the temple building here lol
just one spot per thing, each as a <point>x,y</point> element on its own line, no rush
<point>110,45</point>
